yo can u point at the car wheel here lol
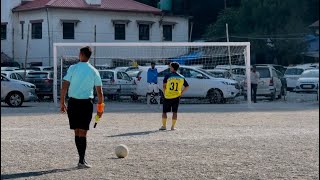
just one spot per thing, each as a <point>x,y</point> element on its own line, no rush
<point>14,99</point>
<point>134,97</point>
<point>215,96</point>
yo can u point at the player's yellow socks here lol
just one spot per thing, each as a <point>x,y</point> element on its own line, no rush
<point>164,122</point>
<point>174,121</point>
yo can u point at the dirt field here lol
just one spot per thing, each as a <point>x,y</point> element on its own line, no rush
<point>231,141</point>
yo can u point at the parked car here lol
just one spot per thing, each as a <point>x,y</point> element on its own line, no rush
<point>15,92</point>
<point>269,84</point>
<point>280,70</point>
<point>134,74</point>
<point>238,73</point>
<point>117,83</point>
<point>308,81</point>
<point>292,75</point>
<point>22,71</point>
<point>12,75</point>
<point>41,68</point>
<point>103,67</point>
<point>43,81</point>
<point>3,68</point>
<point>125,69</point>
<point>220,73</point>
<point>202,84</point>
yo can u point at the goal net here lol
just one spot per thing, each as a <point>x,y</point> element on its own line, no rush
<point>216,70</point>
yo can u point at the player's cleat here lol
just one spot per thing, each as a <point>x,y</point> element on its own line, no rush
<point>173,128</point>
<point>163,128</point>
<point>84,165</point>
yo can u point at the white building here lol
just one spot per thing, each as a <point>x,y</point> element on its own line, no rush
<point>52,21</point>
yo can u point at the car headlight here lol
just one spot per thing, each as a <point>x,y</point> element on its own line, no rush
<point>28,86</point>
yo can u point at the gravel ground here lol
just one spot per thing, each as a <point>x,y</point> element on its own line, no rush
<point>269,140</point>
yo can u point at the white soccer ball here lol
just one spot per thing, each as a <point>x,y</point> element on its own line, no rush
<point>122,151</point>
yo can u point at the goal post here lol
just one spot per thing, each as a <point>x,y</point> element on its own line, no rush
<point>208,55</point>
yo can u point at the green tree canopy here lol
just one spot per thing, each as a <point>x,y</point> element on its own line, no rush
<point>282,23</point>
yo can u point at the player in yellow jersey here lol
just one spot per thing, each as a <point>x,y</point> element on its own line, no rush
<point>174,85</point>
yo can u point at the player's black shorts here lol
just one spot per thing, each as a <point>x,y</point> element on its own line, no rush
<point>171,105</point>
<point>80,113</point>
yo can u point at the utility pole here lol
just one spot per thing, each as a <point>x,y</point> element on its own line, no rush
<point>94,48</point>
<point>227,33</point>
<point>27,48</point>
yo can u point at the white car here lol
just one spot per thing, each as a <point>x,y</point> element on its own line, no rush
<point>9,68</point>
<point>12,75</point>
<point>292,75</point>
<point>269,84</point>
<point>117,83</point>
<point>202,84</point>
<point>15,92</point>
<point>220,73</point>
<point>308,82</point>
<point>41,68</point>
<point>238,73</point>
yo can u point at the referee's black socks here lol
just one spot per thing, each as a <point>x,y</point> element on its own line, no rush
<point>82,148</point>
<point>77,140</point>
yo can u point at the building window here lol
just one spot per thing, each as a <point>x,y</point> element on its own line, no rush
<point>36,32</point>
<point>144,32</point>
<point>3,31</point>
<point>120,32</point>
<point>167,32</point>
<point>22,30</point>
<point>68,30</point>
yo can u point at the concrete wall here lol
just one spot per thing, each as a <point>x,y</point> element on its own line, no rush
<point>7,17</point>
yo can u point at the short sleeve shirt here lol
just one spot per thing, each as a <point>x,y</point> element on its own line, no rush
<point>174,84</point>
<point>83,77</point>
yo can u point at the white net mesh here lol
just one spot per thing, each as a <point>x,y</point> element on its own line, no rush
<point>191,56</point>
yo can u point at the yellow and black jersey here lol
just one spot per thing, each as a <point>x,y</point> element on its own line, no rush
<point>174,84</point>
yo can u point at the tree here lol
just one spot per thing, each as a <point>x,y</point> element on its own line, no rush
<point>281,22</point>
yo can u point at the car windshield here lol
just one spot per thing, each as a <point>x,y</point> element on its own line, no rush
<point>264,72</point>
<point>310,74</point>
<point>206,72</point>
<point>217,74</point>
<point>38,75</point>
<point>107,75</point>
<point>133,73</point>
<point>294,71</point>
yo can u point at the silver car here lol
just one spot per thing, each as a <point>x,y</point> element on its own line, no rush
<point>15,92</point>
<point>117,83</point>
<point>308,82</point>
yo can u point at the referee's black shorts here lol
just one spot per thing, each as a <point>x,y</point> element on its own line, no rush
<point>171,105</point>
<point>80,113</point>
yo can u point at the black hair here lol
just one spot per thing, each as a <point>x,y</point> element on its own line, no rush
<point>86,51</point>
<point>153,63</point>
<point>175,65</point>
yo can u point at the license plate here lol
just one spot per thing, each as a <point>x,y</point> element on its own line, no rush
<point>307,86</point>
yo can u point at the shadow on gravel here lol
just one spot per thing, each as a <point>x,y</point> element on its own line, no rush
<point>35,173</point>
<point>134,134</point>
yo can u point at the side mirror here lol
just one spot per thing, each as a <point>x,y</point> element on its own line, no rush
<point>199,76</point>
